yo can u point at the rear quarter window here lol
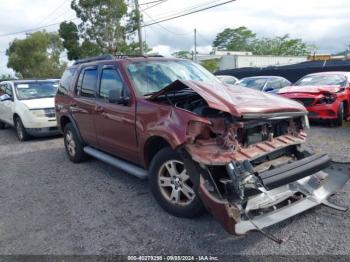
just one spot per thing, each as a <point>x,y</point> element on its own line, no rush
<point>66,81</point>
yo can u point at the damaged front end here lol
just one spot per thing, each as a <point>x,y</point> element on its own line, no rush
<point>245,157</point>
<point>252,174</point>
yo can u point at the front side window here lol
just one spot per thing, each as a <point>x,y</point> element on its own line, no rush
<point>323,80</point>
<point>88,83</point>
<point>152,76</point>
<point>35,90</point>
<point>110,80</point>
<point>253,83</point>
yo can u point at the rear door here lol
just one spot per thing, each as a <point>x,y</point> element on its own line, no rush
<point>83,106</point>
<point>115,122</point>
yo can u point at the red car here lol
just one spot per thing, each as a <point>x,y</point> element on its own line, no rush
<point>325,95</point>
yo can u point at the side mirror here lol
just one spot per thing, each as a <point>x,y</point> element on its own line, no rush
<point>269,89</point>
<point>114,95</point>
<point>5,97</point>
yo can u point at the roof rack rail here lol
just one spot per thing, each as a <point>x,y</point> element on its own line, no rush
<point>109,57</point>
<point>94,58</point>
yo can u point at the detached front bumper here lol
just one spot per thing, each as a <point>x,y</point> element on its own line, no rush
<point>307,184</point>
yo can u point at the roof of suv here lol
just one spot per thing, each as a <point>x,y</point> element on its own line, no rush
<point>108,58</point>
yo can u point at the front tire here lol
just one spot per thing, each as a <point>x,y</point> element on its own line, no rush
<point>21,130</point>
<point>340,115</point>
<point>2,125</point>
<point>74,148</point>
<point>171,185</point>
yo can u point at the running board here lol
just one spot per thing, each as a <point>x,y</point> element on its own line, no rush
<point>117,162</point>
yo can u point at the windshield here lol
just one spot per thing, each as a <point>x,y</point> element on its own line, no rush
<point>34,90</point>
<point>325,80</point>
<point>254,83</point>
<point>153,76</point>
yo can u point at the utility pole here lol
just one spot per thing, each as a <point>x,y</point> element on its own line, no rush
<point>195,46</point>
<point>137,7</point>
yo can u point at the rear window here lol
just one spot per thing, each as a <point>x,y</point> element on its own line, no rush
<point>88,83</point>
<point>66,80</point>
<point>328,80</point>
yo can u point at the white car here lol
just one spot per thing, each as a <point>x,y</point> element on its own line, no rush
<point>29,106</point>
<point>226,79</point>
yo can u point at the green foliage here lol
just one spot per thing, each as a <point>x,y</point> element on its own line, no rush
<point>183,54</point>
<point>211,65</point>
<point>235,39</point>
<point>243,39</point>
<point>106,28</point>
<point>4,77</point>
<point>36,56</point>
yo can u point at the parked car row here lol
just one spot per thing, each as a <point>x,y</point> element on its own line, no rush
<point>325,95</point>
<point>202,144</point>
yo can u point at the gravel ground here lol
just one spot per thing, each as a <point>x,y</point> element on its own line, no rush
<point>49,205</point>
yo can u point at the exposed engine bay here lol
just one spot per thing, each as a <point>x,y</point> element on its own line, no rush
<point>252,173</point>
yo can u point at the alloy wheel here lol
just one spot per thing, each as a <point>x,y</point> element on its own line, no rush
<point>19,130</point>
<point>175,183</point>
<point>70,144</point>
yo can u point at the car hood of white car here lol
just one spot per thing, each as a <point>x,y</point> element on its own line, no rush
<point>40,103</point>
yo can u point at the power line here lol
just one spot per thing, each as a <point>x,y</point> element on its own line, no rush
<point>163,27</point>
<point>54,11</point>
<point>36,28</point>
<point>189,13</point>
<point>186,9</point>
<point>161,2</point>
<point>152,2</point>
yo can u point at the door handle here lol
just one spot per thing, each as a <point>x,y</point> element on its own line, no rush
<point>99,109</point>
<point>73,105</point>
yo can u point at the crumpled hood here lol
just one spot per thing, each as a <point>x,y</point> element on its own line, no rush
<point>39,103</point>
<point>236,100</point>
<point>310,89</point>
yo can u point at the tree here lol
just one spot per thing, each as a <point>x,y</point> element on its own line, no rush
<point>75,50</point>
<point>4,77</point>
<point>182,54</point>
<point>211,64</point>
<point>235,39</point>
<point>106,28</point>
<point>243,39</point>
<point>281,46</point>
<point>36,56</point>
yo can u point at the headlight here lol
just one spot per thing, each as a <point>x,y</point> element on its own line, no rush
<point>327,99</point>
<point>38,112</point>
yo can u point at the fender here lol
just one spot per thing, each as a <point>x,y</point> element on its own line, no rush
<point>72,120</point>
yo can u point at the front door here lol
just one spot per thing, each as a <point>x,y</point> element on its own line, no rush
<point>6,107</point>
<point>115,121</point>
<point>84,104</point>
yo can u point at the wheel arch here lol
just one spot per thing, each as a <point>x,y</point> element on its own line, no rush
<point>152,146</point>
<point>66,119</point>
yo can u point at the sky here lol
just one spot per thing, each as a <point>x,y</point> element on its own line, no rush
<point>319,22</point>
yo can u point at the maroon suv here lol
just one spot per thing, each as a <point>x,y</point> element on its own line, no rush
<point>201,143</point>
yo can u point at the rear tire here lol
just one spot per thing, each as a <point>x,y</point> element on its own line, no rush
<point>21,130</point>
<point>172,187</point>
<point>2,125</point>
<point>74,148</point>
<point>340,115</point>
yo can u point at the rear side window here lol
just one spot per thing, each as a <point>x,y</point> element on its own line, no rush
<point>274,84</point>
<point>66,80</point>
<point>110,80</point>
<point>2,89</point>
<point>87,82</point>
